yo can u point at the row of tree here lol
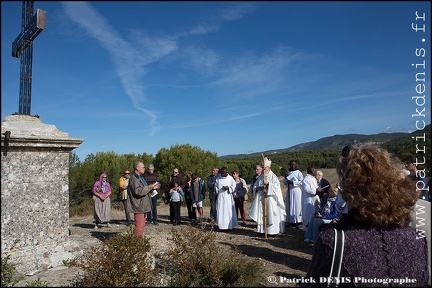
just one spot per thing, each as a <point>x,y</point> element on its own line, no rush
<point>186,158</point>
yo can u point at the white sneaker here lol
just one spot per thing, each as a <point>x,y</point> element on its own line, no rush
<point>108,225</point>
<point>96,227</point>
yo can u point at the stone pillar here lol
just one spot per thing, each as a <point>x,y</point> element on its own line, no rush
<point>34,193</point>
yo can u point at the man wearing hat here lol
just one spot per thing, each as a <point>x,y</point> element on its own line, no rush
<point>275,221</point>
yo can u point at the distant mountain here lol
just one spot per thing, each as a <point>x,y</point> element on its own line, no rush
<point>418,140</point>
<point>340,141</point>
<point>331,142</point>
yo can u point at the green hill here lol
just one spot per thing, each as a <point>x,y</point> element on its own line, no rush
<point>324,152</point>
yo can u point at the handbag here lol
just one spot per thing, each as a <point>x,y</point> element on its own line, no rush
<point>242,192</point>
<point>338,247</point>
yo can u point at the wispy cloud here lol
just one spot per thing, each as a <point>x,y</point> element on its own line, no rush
<point>129,64</point>
<point>203,60</point>
<point>215,21</point>
<point>257,70</point>
<point>251,76</point>
<point>153,47</point>
<point>396,129</point>
<point>130,61</point>
<point>236,11</point>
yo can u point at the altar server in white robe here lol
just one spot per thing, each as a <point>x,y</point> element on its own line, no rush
<point>275,203</point>
<point>225,205</point>
<point>293,182</point>
<point>309,196</point>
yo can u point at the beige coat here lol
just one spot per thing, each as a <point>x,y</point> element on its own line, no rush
<point>138,200</point>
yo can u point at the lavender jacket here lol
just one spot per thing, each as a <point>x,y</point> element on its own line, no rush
<point>98,184</point>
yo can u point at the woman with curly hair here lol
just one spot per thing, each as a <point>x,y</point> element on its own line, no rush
<point>380,246</point>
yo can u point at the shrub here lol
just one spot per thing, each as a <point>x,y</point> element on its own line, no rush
<point>7,273</point>
<point>37,283</point>
<point>121,261</point>
<point>69,262</point>
<point>197,261</point>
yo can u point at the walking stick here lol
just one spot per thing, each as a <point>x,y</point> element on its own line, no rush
<point>265,200</point>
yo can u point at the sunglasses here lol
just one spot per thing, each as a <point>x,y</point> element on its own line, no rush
<point>127,173</point>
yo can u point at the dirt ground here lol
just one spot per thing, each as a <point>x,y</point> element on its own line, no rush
<point>285,259</point>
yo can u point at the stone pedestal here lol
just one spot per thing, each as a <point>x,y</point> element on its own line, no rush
<point>34,193</point>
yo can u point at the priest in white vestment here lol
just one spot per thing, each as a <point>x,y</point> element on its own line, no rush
<point>225,206</point>
<point>275,222</point>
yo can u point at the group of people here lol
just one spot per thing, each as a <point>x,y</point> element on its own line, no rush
<point>150,177</point>
<point>304,194</point>
<point>139,192</point>
<point>310,200</point>
<point>226,196</point>
<point>373,203</point>
<point>380,247</point>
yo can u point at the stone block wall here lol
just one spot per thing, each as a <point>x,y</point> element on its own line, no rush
<point>34,193</point>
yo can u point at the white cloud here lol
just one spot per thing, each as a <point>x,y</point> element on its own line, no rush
<point>128,61</point>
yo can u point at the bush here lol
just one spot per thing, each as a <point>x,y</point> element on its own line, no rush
<point>37,283</point>
<point>121,261</point>
<point>197,261</point>
<point>7,273</point>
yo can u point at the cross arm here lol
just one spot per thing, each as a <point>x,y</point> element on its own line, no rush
<point>33,29</point>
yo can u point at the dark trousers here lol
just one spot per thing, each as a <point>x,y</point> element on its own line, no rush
<point>212,196</point>
<point>171,212</point>
<point>175,208</point>
<point>239,205</point>
<point>152,216</point>
<point>191,212</point>
<point>128,217</point>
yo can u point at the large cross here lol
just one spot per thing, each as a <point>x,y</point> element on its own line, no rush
<point>22,47</point>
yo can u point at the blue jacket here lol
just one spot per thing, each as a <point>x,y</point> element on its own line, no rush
<point>210,185</point>
<point>202,190</point>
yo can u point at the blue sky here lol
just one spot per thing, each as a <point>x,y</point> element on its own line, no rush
<point>229,77</point>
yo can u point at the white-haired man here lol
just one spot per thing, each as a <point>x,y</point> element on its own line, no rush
<point>275,220</point>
